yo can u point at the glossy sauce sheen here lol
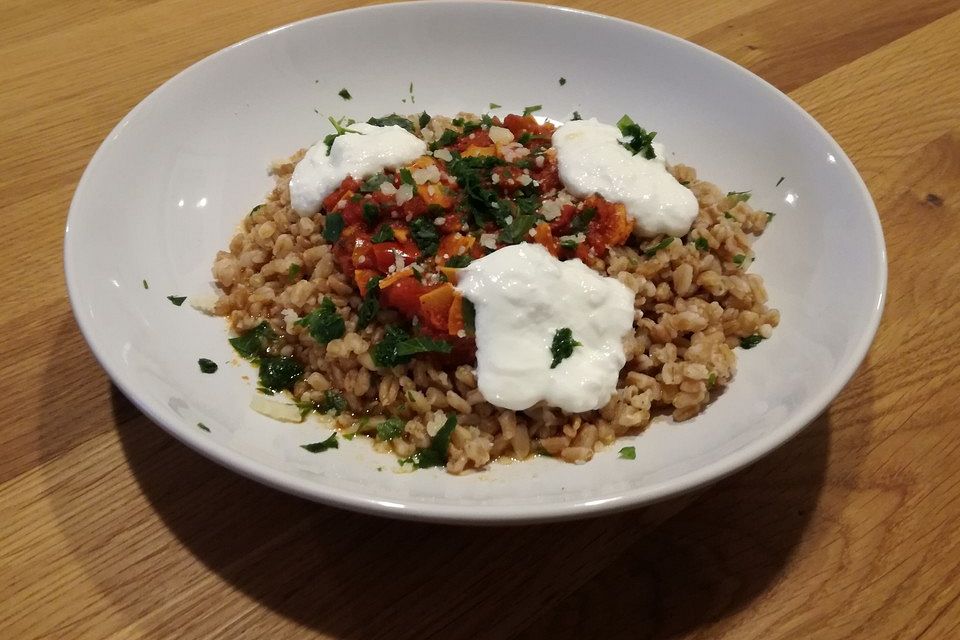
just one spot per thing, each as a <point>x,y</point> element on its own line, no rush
<point>590,159</point>
<point>370,150</point>
<point>522,296</point>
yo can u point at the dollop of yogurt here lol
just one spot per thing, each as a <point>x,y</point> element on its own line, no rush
<point>523,296</point>
<point>590,159</point>
<point>370,150</point>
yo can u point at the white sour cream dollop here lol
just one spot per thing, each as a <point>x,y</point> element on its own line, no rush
<point>590,159</point>
<point>522,296</point>
<point>371,150</point>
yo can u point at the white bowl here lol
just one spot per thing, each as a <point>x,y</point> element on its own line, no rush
<point>169,185</point>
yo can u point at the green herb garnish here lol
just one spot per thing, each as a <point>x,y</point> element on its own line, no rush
<point>770,215</point>
<point>701,244</point>
<point>739,196</point>
<point>279,372</point>
<point>628,453</point>
<point>562,346</point>
<point>371,213</point>
<point>458,262</point>
<point>779,181</point>
<point>576,116</point>
<point>390,429</point>
<point>663,244</point>
<point>738,259</point>
<point>494,105</point>
<point>640,140</point>
<point>407,178</point>
<point>524,138</point>
<point>340,127</point>
<point>333,227</point>
<point>580,222</point>
<point>383,234</point>
<point>751,341</point>
<point>145,285</point>
<point>333,403</point>
<point>256,208</point>
<point>711,380</point>
<point>255,342</point>
<point>569,243</point>
<point>448,137</point>
<point>324,323</point>
<point>398,347</point>
<point>516,232</point>
<point>176,300</point>
<point>343,93</point>
<point>532,109</point>
<point>436,454</point>
<point>203,427</point>
<point>563,81</point>
<point>320,447</point>
<point>368,309</point>
<point>293,271</point>
<point>392,119</point>
<point>373,183</point>
<point>424,119</point>
<point>207,366</point>
<point>425,235</point>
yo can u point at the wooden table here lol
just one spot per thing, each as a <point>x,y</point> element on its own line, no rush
<point>110,528</point>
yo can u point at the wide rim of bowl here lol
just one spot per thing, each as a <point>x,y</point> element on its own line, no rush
<point>467,513</point>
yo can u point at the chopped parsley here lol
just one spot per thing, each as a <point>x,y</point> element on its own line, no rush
<point>203,427</point>
<point>579,222</point>
<point>343,93</point>
<point>254,343</point>
<point>780,181</point>
<point>628,453</point>
<point>739,196</point>
<point>371,213</point>
<point>383,234</point>
<point>516,232</point>
<point>576,116</point>
<point>711,380</point>
<point>524,138</point>
<point>436,454</point>
<point>373,183</point>
<point>390,429</point>
<point>324,323</point>
<point>392,119</point>
<point>145,285</point>
<point>340,127</point>
<point>422,344</point>
<point>569,243</point>
<point>448,137</point>
<point>738,259</point>
<point>563,81</point>
<point>425,235</point>
<point>494,105</point>
<point>279,372</point>
<point>751,341</point>
<point>459,262</point>
<point>398,347</point>
<point>532,109</point>
<point>368,309</point>
<point>562,346</point>
<point>424,119</point>
<point>256,208</point>
<point>407,178</point>
<point>323,445</point>
<point>701,244</point>
<point>293,271</point>
<point>640,140</point>
<point>333,227</point>
<point>471,173</point>
<point>770,215</point>
<point>176,300</point>
<point>663,244</point>
<point>207,366</point>
<point>333,403</point>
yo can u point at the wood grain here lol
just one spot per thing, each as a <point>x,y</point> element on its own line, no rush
<point>109,529</point>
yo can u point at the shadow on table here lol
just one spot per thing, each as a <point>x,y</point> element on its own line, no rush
<point>355,576</point>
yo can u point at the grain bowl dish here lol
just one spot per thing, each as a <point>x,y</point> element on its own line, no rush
<point>468,289</point>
